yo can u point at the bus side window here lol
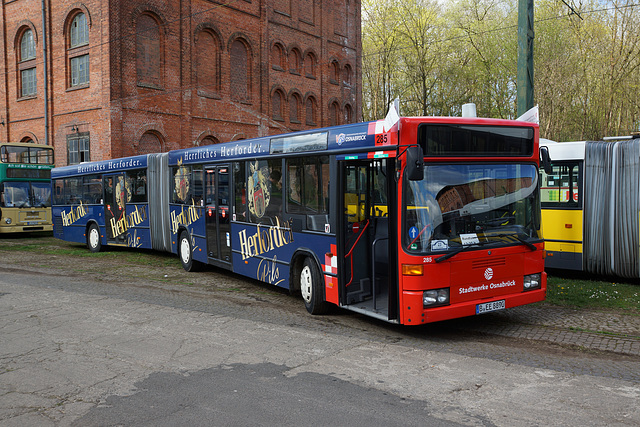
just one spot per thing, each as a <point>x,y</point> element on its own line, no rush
<point>240,184</point>
<point>72,191</point>
<point>198,187</point>
<point>92,190</point>
<point>58,192</point>
<point>308,189</point>
<point>138,182</point>
<point>561,189</point>
<point>182,185</point>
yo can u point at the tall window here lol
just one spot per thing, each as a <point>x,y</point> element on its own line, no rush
<point>277,57</point>
<point>240,84</point>
<point>208,64</point>
<point>311,110</point>
<point>27,46</point>
<point>334,72</point>
<point>348,114</point>
<point>346,75</point>
<point>277,105</point>
<point>334,114</point>
<point>79,32</point>
<point>27,65</point>
<point>294,61</point>
<point>78,148</point>
<point>78,43</point>
<point>294,108</point>
<point>148,52</point>
<point>310,65</point>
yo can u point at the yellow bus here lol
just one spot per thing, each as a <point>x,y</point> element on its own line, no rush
<point>25,187</point>
<point>591,206</point>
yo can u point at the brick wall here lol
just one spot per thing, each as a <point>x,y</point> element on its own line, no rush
<point>171,75</point>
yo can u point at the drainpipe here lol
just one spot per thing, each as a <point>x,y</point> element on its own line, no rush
<point>44,69</point>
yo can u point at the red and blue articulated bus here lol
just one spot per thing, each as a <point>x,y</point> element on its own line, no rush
<point>417,221</point>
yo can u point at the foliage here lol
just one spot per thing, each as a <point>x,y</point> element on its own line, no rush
<point>581,292</point>
<point>436,56</point>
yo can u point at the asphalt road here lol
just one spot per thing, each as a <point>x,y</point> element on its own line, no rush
<point>93,347</point>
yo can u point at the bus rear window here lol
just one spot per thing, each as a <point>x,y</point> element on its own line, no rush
<point>452,140</point>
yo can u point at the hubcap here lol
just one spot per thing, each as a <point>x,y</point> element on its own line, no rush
<point>185,251</point>
<point>93,238</point>
<point>306,284</point>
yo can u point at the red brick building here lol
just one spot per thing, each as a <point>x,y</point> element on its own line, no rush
<point>133,77</point>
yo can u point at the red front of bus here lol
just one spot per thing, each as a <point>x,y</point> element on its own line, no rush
<point>470,240</point>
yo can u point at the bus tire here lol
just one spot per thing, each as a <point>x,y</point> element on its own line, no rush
<point>311,288</point>
<point>93,238</point>
<point>185,253</point>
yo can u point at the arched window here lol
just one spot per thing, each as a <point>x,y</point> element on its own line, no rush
<point>78,42</point>
<point>277,57</point>
<point>27,46</point>
<point>208,64</point>
<point>27,65</point>
<point>295,103</point>
<point>348,114</point>
<point>334,114</point>
<point>294,61</point>
<point>149,143</point>
<point>209,140</point>
<point>334,72</point>
<point>346,75</point>
<point>240,76</point>
<point>277,105</point>
<point>79,31</point>
<point>311,111</point>
<point>310,65</point>
<point>148,52</point>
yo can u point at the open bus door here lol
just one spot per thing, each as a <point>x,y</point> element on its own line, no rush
<point>218,224</point>
<point>369,260</point>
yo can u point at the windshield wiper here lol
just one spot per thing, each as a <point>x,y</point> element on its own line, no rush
<point>521,240</point>
<point>460,249</point>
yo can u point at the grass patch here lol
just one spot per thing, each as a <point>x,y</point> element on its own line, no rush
<point>575,291</point>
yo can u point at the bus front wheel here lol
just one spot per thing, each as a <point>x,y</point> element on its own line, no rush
<point>311,288</point>
<point>185,253</point>
<point>93,238</point>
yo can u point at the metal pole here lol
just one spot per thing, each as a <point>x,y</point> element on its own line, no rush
<point>525,56</point>
<point>44,70</point>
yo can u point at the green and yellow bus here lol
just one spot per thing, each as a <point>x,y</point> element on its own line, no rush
<point>25,187</point>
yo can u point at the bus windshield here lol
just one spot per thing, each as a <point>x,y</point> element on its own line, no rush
<point>457,205</point>
<point>25,194</point>
<point>26,154</point>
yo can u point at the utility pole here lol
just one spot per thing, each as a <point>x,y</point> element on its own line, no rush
<point>525,56</point>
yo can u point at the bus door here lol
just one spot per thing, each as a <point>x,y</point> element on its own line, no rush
<point>117,192</point>
<point>368,280</point>
<point>217,221</point>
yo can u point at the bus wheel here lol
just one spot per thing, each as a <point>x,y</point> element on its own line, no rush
<point>93,238</point>
<point>311,288</point>
<point>185,253</point>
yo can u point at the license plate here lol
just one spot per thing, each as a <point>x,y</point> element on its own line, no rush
<point>490,306</point>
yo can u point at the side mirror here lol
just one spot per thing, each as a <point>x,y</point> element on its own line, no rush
<point>415,163</point>
<point>545,159</point>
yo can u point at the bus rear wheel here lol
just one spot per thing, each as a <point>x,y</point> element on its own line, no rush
<point>310,282</point>
<point>186,254</point>
<point>93,238</point>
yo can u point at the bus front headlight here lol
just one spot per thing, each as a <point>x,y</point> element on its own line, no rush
<point>7,220</point>
<point>532,281</point>
<point>435,297</point>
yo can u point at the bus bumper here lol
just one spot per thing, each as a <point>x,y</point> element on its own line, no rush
<point>413,312</point>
